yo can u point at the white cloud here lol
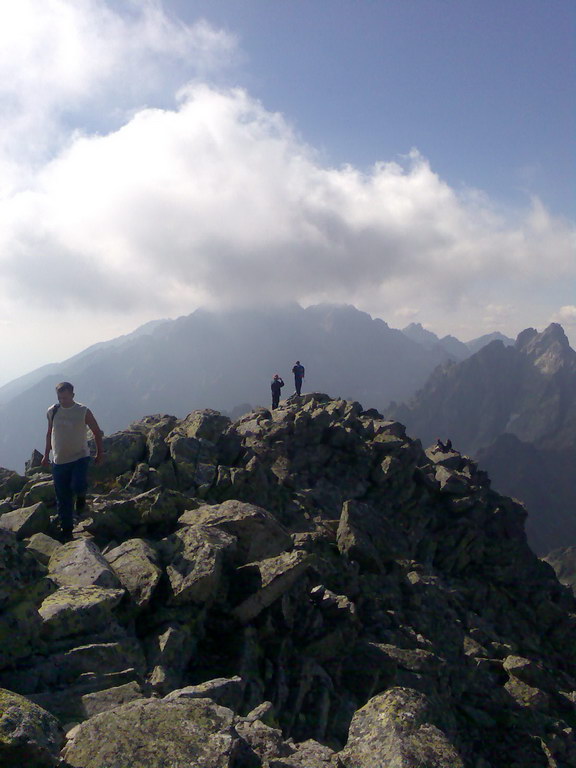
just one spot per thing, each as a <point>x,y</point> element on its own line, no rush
<point>207,197</point>
<point>218,199</point>
<point>66,63</point>
<point>566,315</point>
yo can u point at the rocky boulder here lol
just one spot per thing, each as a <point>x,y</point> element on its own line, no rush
<point>29,736</point>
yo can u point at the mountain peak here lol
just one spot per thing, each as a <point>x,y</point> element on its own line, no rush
<point>549,351</point>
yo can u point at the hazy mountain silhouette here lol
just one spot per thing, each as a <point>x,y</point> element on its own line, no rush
<point>223,360</point>
<point>453,347</point>
<point>513,408</point>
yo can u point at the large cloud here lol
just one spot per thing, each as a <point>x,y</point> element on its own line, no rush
<point>218,199</point>
<point>207,197</point>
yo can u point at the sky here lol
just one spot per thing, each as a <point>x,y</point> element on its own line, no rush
<point>415,158</point>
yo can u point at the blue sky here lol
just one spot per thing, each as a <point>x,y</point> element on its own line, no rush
<point>486,91</point>
<point>415,159</point>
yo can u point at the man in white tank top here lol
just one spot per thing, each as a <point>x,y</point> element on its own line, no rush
<point>68,440</point>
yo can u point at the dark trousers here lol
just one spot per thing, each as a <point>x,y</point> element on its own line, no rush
<point>70,480</point>
<point>298,384</point>
<point>275,399</point>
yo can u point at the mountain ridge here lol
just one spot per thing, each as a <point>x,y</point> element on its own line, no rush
<point>221,360</point>
<point>302,588</point>
<point>513,408</point>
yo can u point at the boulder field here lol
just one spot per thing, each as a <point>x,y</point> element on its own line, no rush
<point>303,588</point>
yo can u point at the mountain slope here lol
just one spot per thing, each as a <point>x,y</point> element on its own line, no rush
<point>222,360</point>
<point>303,588</point>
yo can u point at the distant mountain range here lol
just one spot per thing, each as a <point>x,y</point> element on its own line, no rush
<point>224,360</point>
<point>454,348</point>
<point>514,409</point>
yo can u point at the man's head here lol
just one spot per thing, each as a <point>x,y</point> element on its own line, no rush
<point>276,376</point>
<point>65,393</point>
<point>297,362</point>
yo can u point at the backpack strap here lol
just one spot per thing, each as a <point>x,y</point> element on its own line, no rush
<point>54,412</point>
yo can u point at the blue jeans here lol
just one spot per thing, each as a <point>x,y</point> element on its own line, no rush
<point>70,480</point>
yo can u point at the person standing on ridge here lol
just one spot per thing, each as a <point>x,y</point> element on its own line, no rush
<point>276,386</point>
<point>67,439</point>
<point>298,372</point>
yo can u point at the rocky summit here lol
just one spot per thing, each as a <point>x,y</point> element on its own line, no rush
<point>303,588</point>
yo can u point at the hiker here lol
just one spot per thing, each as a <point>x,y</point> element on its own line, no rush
<point>443,447</point>
<point>276,386</point>
<point>68,441</point>
<point>298,372</point>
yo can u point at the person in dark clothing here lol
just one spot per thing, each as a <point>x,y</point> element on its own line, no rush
<point>276,386</point>
<point>448,445</point>
<point>298,372</point>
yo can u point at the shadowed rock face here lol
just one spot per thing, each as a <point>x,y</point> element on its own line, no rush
<point>303,588</point>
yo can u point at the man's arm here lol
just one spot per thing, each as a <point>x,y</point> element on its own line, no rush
<point>92,424</point>
<point>48,447</point>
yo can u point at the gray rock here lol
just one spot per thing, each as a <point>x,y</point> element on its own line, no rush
<point>38,489</point>
<point>195,556</point>
<point>227,692</point>
<point>78,610</point>
<point>80,564</point>
<point>169,651</point>
<point>266,742</point>
<point>29,736</point>
<point>42,547</point>
<point>102,701</point>
<point>27,521</point>
<point>397,729</point>
<point>452,482</point>
<point>272,578</point>
<point>158,450</point>
<point>309,754</point>
<point>10,482</point>
<point>259,534</point>
<point>366,536</point>
<point>136,565</point>
<point>206,425</point>
<point>155,733</point>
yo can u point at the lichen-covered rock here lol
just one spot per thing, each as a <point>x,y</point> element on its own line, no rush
<point>397,729</point>
<point>195,557</point>
<point>122,452</point>
<point>135,563</point>
<point>80,563</point>
<point>366,536</point>
<point>20,627</point>
<point>38,489</point>
<point>224,691</point>
<point>205,425</point>
<point>78,610</point>
<point>168,652</point>
<point>258,533</point>
<point>265,741</point>
<point>10,482</point>
<point>158,450</point>
<point>20,572</point>
<point>268,580</point>
<point>309,754</point>
<point>30,737</point>
<point>156,733</point>
<point>42,547</point>
<point>26,521</point>
<point>110,698</point>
